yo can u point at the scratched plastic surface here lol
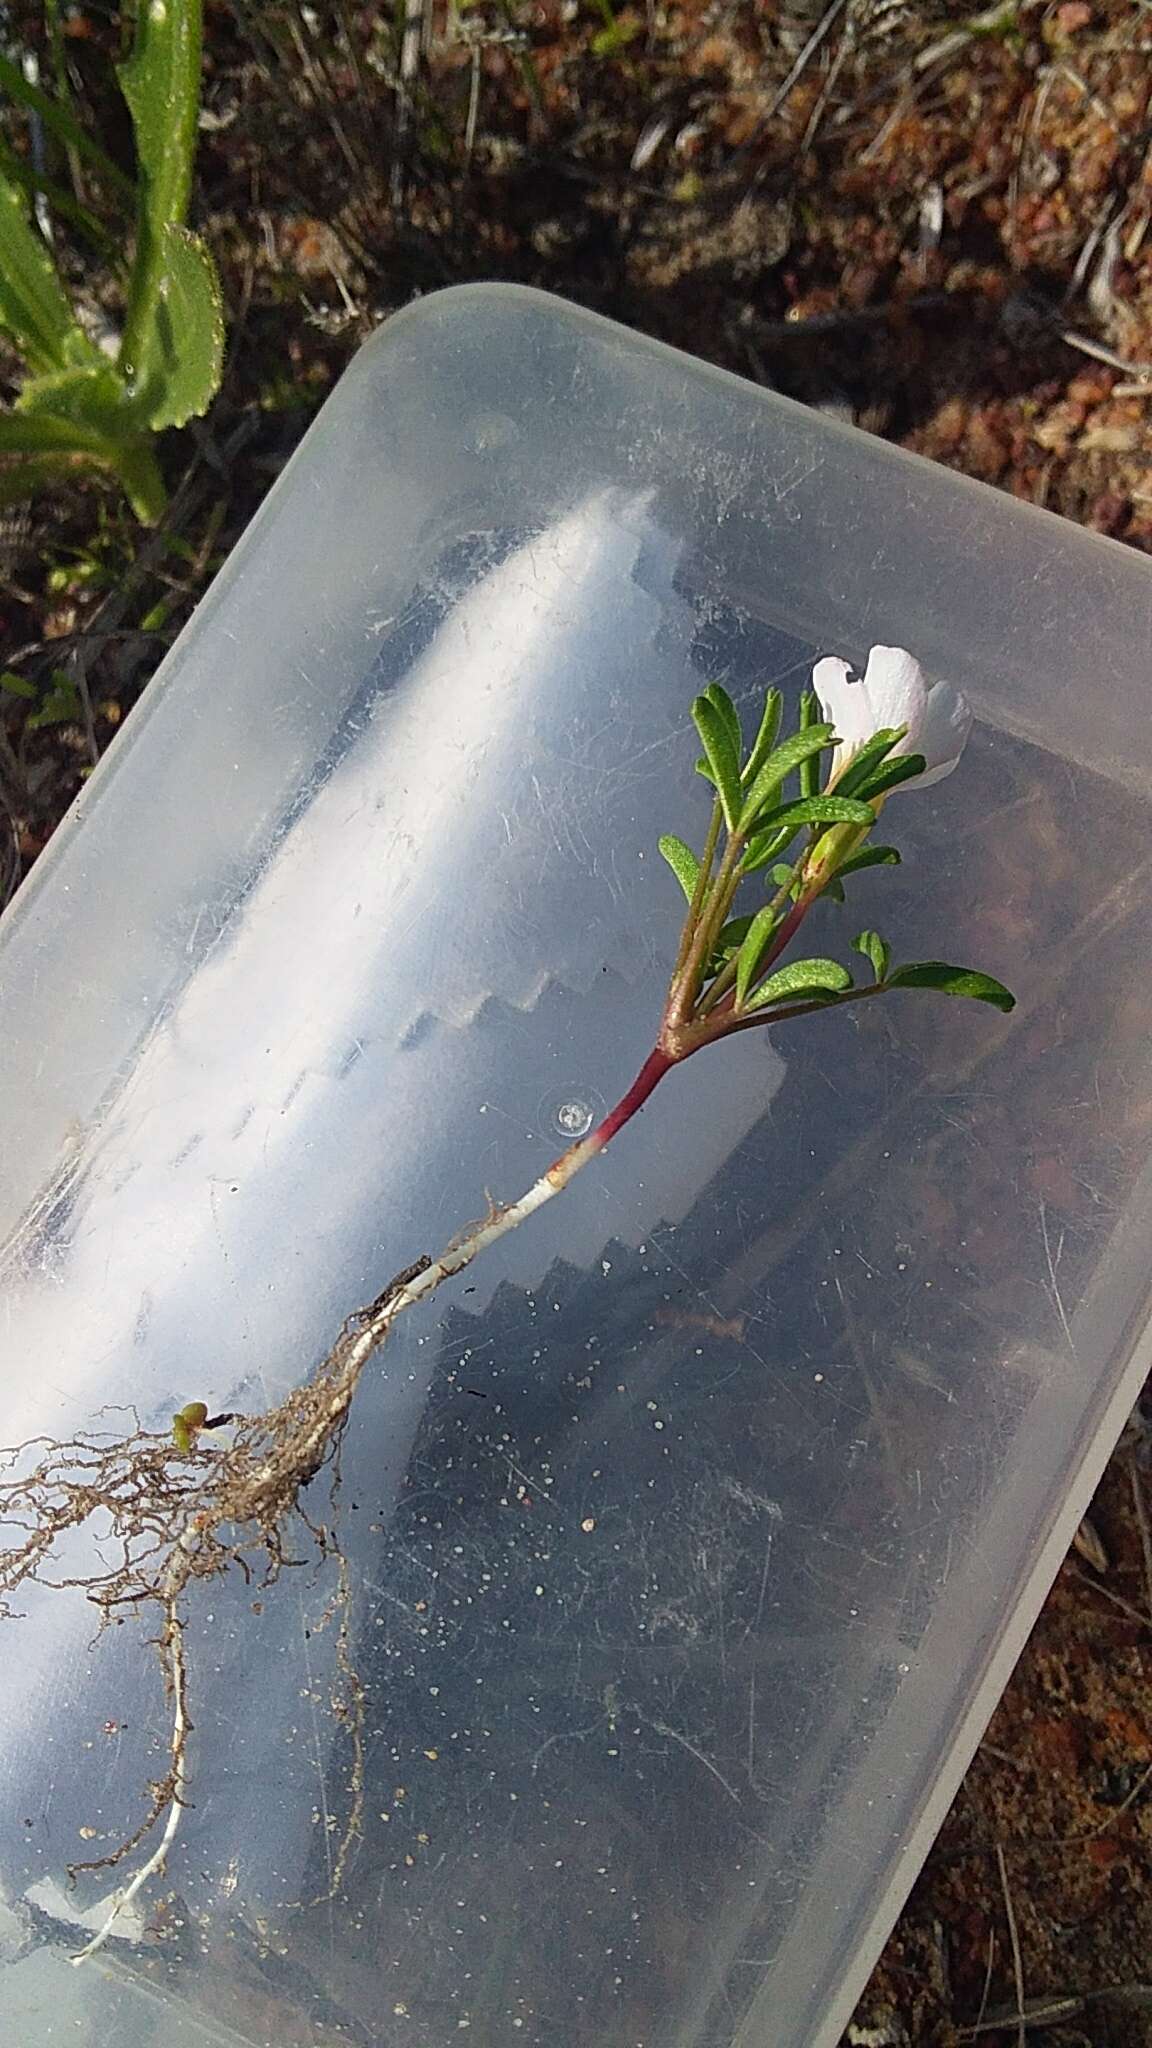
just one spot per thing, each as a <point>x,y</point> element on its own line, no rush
<point>693,1534</point>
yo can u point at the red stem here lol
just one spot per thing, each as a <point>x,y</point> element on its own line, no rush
<point>653,1071</point>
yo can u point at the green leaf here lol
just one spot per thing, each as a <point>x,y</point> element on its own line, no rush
<point>723,760</point>
<point>953,981</point>
<point>752,951</point>
<point>806,979</point>
<point>16,686</point>
<point>869,857</point>
<point>682,861</point>
<point>59,122</point>
<point>818,810</point>
<point>718,697</point>
<point>729,941</point>
<point>608,42</point>
<point>92,398</point>
<point>809,769</point>
<point>893,772</point>
<point>762,849</point>
<point>833,890</point>
<point>173,337</point>
<point>779,764</point>
<point>785,877</point>
<point>766,737</point>
<point>41,433</point>
<point>869,757</point>
<point>181,355</point>
<point>59,706</point>
<point>875,949</point>
<point>34,308</point>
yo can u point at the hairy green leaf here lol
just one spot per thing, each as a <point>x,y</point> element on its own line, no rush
<point>871,754</point>
<point>682,861</point>
<point>766,737</point>
<point>723,760</point>
<point>952,981</point>
<point>34,309</point>
<point>875,949</point>
<point>173,338</point>
<point>818,810</point>
<point>762,849</point>
<point>869,857</point>
<point>92,398</point>
<point>809,768</point>
<point>756,942</point>
<point>718,697</point>
<point>182,353</point>
<point>891,773</point>
<point>780,763</point>
<point>806,980</point>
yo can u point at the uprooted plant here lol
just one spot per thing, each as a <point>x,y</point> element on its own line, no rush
<point>191,1503</point>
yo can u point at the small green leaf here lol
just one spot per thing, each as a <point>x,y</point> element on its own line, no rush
<point>869,857</point>
<point>730,940</point>
<point>59,706</point>
<point>779,764</point>
<point>805,979</point>
<point>762,849</point>
<point>608,42</point>
<point>683,863</point>
<point>818,810</point>
<point>753,949</point>
<point>718,697</point>
<point>809,769</point>
<point>893,772</point>
<point>766,737</point>
<point>952,981</point>
<point>785,877</point>
<point>869,757</point>
<point>875,949</point>
<point>723,760</point>
<point>16,686</point>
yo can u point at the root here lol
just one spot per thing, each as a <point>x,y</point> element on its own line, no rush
<point>174,1512</point>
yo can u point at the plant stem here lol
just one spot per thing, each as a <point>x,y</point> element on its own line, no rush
<point>376,1321</point>
<point>700,891</point>
<point>709,919</point>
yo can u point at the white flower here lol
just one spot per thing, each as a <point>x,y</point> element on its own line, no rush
<point>893,691</point>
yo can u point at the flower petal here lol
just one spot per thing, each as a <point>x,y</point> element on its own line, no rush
<point>844,704</point>
<point>943,735</point>
<point>897,693</point>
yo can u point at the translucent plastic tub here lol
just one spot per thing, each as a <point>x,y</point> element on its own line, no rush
<point>694,1532</point>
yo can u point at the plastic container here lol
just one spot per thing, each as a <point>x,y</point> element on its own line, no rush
<point>695,1531</point>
